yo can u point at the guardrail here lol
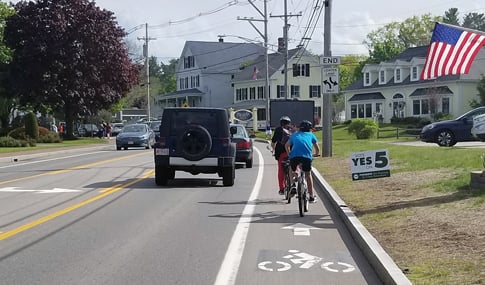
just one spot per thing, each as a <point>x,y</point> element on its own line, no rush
<point>398,133</point>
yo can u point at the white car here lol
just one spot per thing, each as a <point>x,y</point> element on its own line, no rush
<point>478,129</point>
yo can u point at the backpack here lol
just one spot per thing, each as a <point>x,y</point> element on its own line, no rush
<point>285,137</point>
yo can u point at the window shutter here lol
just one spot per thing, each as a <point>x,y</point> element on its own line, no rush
<point>310,92</point>
<point>307,70</point>
<point>295,70</point>
<point>319,91</point>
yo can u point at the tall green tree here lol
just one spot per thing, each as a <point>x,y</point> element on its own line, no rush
<point>481,94</point>
<point>471,20</point>
<point>452,17</point>
<point>167,77</point>
<point>7,103</point>
<point>390,40</point>
<point>69,57</point>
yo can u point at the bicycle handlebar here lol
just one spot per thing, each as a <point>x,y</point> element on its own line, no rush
<point>316,155</point>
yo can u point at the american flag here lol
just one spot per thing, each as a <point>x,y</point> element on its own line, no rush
<point>451,51</point>
<point>255,73</point>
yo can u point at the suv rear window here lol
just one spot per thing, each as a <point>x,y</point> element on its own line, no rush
<point>182,119</point>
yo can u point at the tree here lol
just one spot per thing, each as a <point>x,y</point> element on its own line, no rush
<point>167,77</point>
<point>69,57</point>
<point>452,17</point>
<point>7,104</point>
<point>390,40</point>
<point>473,20</point>
<point>481,94</point>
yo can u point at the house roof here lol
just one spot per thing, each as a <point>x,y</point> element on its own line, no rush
<point>406,55</point>
<point>181,93</point>
<point>442,90</point>
<point>275,62</point>
<point>220,57</point>
<point>367,96</point>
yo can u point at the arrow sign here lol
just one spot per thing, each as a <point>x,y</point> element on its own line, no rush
<point>330,80</point>
<point>300,229</point>
<point>40,191</point>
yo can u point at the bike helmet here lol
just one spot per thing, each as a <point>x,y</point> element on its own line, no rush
<point>305,126</point>
<point>285,120</point>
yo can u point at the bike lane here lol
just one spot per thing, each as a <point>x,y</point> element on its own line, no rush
<point>283,248</point>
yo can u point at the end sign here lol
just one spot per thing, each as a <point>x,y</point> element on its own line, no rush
<point>370,164</point>
<point>330,60</point>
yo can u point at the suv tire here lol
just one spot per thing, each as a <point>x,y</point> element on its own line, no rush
<point>194,143</point>
<point>228,174</point>
<point>161,175</point>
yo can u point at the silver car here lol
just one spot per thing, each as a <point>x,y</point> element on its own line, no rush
<point>135,135</point>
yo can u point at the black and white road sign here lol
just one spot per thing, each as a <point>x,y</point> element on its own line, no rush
<point>330,80</point>
<point>370,164</point>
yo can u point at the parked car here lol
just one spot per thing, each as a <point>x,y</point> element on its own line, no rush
<point>135,135</point>
<point>478,128</point>
<point>155,126</point>
<point>116,128</point>
<point>88,130</point>
<point>449,132</point>
<point>195,140</point>
<point>244,144</point>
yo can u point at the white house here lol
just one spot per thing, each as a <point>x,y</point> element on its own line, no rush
<point>304,83</point>
<point>393,89</point>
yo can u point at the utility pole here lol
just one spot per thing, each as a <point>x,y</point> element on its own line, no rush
<point>285,37</point>
<point>264,14</point>
<point>327,97</point>
<point>147,64</point>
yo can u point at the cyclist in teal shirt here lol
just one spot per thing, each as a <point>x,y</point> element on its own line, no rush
<point>300,148</point>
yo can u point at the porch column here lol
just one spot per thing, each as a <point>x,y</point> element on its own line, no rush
<point>231,114</point>
<point>255,119</point>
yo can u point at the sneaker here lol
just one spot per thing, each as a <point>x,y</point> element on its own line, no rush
<point>281,192</point>
<point>312,199</point>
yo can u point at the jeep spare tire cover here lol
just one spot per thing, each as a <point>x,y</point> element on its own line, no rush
<point>194,143</point>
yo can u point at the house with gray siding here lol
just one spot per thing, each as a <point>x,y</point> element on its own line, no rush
<point>394,89</point>
<point>205,72</point>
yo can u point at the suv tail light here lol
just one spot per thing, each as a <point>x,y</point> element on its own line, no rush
<point>226,142</point>
<point>161,141</point>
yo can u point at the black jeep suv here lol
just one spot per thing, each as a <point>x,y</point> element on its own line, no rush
<point>195,140</point>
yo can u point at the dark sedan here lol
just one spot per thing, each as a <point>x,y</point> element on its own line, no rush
<point>135,135</point>
<point>448,133</point>
<point>244,144</point>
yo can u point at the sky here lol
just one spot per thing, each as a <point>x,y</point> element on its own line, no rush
<point>173,22</point>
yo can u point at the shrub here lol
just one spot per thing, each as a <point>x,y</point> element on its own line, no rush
<point>363,128</point>
<point>31,126</point>
<point>11,142</point>
<point>43,131</point>
<point>50,137</point>
<point>18,134</point>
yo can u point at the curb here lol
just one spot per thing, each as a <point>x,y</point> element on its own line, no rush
<point>385,267</point>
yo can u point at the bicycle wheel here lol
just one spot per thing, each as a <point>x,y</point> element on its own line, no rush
<point>306,200</point>
<point>301,197</point>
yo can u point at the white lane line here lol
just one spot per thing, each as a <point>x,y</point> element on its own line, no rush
<point>50,159</point>
<point>230,265</point>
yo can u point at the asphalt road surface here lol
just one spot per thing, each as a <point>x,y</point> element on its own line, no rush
<point>96,217</point>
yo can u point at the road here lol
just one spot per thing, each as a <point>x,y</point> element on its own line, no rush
<point>96,217</point>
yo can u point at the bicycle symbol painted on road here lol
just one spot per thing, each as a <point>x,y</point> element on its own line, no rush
<point>304,260</point>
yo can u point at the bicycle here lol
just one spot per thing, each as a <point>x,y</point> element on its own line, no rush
<point>302,190</point>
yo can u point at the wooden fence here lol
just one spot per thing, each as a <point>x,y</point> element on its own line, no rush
<point>398,133</point>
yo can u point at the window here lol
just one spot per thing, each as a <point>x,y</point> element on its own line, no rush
<point>445,105</point>
<point>364,110</point>
<point>295,91</point>
<point>317,111</point>
<point>186,82</point>
<point>353,111</point>
<point>261,114</point>
<point>260,92</point>
<point>252,93</point>
<point>397,75</point>
<point>280,91</point>
<point>181,83</point>
<point>367,78</point>
<point>421,107</point>
<point>382,77</point>
<point>301,70</point>
<point>414,73</point>
<point>189,61</point>
<point>315,91</point>
<point>238,94</point>
<point>244,94</point>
